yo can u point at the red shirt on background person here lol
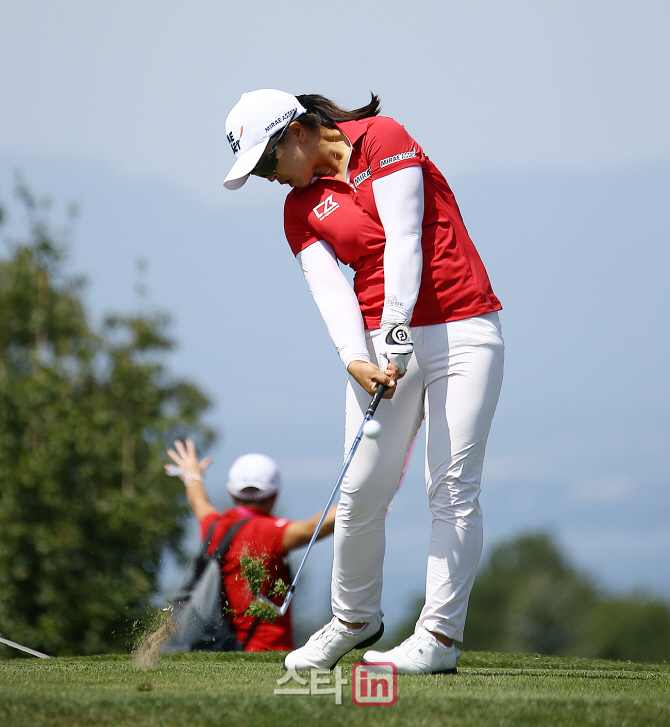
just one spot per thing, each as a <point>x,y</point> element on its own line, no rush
<point>253,483</point>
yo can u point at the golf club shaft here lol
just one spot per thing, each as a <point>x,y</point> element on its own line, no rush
<point>379,393</point>
<point>14,645</point>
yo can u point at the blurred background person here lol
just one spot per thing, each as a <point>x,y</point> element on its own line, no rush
<point>253,483</point>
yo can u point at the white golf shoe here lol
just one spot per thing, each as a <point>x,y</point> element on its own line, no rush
<point>328,645</point>
<point>421,653</point>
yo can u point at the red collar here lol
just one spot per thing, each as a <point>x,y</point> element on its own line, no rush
<point>353,130</point>
<point>249,512</point>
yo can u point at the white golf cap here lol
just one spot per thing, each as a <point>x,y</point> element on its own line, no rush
<point>254,471</point>
<point>256,117</point>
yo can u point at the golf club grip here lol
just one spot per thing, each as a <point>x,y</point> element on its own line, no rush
<point>379,392</point>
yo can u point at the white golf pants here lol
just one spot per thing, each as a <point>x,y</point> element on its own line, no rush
<point>453,382</point>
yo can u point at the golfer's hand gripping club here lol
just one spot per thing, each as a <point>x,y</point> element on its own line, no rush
<point>377,397</point>
<point>396,347</point>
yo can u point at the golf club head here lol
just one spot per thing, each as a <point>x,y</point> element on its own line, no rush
<point>279,610</point>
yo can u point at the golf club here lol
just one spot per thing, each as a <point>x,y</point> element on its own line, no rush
<point>14,645</point>
<point>281,610</point>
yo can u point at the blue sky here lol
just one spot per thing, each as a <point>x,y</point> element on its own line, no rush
<point>549,120</point>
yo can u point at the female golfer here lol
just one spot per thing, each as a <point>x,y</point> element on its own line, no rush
<point>421,319</point>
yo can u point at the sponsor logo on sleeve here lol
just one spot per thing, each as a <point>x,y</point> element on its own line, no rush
<point>362,177</point>
<point>325,208</point>
<point>397,158</point>
<point>392,301</point>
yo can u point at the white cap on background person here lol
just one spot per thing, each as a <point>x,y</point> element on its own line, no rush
<point>253,477</point>
<point>256,117</point>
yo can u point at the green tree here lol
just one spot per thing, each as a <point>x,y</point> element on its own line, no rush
<point>528,598</point>
<point>636,628</point>
<point>85,507</point>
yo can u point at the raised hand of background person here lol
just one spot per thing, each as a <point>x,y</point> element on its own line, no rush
<point>186,458</point>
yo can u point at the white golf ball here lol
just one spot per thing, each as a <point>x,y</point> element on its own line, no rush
<point>372,429</point>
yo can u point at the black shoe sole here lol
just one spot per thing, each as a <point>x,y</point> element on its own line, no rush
<point>364,644</point>
<point>371,640</point>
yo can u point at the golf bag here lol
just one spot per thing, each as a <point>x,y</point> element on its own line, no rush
<point>198,614</point>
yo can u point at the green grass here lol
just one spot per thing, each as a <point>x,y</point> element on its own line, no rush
<point>238,689</point>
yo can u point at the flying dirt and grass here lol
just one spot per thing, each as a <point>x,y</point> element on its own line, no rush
<point>255,573</point>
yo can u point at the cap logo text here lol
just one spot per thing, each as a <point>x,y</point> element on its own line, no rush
<point>235,145</point>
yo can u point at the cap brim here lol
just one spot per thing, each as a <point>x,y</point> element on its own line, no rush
<point>241,170</point>
<point>259,495</point>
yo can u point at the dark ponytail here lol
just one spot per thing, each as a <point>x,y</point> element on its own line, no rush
<point>323,112</point>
